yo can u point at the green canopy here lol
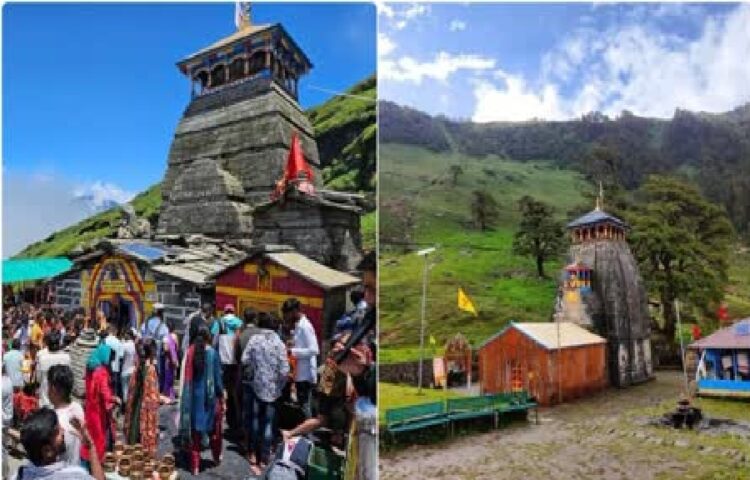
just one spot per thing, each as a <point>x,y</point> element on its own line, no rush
<point>29,269</point>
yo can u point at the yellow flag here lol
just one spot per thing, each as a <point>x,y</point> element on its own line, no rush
<point>433,342</point>
<point>465,303</point>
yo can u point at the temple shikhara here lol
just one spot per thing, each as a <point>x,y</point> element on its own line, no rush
<point>602,291</point>
<point>242,179</point>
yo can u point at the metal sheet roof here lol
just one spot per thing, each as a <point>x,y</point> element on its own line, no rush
<point>317,273</point>
<point>736,336</point>
<point>239,34</point>
<point>546,334</point>
<point>29,269</point>
<point>596,216</point>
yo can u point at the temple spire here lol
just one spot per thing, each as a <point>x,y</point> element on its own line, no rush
<point>600,199</point>
<point>242,19</point>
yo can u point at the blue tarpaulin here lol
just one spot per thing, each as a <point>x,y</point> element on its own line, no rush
<point>30,269</point>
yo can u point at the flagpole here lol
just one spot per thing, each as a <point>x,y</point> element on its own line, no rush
<point>423,253</point>
<point>682,348</point>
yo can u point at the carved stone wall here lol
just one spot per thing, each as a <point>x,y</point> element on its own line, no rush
<point>617,308</point>
<point>246,130</point>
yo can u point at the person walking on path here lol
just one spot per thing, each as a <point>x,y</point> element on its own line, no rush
<point>201,400</point>
<point>142,410</point>
<point>52,356</point>
<point>100,400</point>
<point>244,392</point>
<point>13,363</point>
<point>265,357</point>
<point>128,361</point>
<point>156,328</point>
<point>305,351</point>
<point>60,380</point>
<point>225,343</point>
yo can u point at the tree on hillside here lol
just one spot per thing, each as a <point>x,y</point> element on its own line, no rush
<point>682,243</point>
<point>539,235</point>
<point>455,171</point>
<point>484,210</point>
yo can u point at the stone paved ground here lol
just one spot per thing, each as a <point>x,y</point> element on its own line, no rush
<point>602,437</point>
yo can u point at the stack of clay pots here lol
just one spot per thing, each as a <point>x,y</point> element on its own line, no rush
<point>131,462</point>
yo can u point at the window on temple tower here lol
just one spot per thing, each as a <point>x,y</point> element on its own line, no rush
<point>237,69</point>
<point>257,62</point>
<point>218,76</point>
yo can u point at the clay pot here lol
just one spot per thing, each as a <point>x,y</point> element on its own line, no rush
<point>124,467</point>
<point>136,475</point>
<point>168,459</point>
<point>109,466</point>
<point>165,472</point>
<point>148,469</point>
<point>137,466</point>
<point>119,447</point>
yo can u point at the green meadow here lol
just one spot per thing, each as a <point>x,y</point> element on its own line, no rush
<point>421,207</point>
<point>420,203</point>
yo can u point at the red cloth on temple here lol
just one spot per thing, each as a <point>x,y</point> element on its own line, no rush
<point>297,171</point>
<point>296,163</point>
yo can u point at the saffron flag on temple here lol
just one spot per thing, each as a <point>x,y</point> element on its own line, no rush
<point>297,172</point>
<point>295,163</point>
<point>465,303</point>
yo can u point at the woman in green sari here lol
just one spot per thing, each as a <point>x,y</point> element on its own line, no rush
<point>142,411</point>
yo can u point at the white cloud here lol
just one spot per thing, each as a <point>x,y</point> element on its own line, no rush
<point>38,204</point>
<point>399,17</point>
<point>385,45</point>
<point>457,26</point>
<point>634,67</point>
<point>514,101</point>
<point>444,65</point>
<point>103,194</point>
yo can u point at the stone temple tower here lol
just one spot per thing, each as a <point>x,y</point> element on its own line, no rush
<point>231,145</point>
<point>602,290</point>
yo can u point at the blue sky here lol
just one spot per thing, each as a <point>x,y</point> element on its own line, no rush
<point>556,61</point>
<point>91,93</point>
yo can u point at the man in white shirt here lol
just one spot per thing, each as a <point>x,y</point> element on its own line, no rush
<point>60,379</point>
<point>7,399</point>
<point>52,355</point>
<point>305,350</point>
<point>128,363</point>
<point>114,343</point>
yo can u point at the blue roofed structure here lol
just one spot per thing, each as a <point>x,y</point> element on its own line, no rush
<point>596,216</point>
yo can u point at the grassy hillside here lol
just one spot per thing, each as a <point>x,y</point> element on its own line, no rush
<point>420,204</point>
<point>420,208</point>
<point>345,129</point>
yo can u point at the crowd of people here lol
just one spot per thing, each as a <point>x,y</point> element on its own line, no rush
<point>257,374</point>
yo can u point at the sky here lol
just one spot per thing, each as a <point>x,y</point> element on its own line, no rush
<point>517,62</point>
<point>92,96</point>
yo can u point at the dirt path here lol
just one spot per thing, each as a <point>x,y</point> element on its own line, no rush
<point>603,437</point>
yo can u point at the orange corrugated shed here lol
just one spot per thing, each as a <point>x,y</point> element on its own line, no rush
<point>526,357</point>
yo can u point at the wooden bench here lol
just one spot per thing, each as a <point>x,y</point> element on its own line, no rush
<point>471,407</point>
<point>513,402</point>
<point>415,417</point>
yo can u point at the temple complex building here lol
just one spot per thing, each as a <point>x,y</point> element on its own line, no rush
<point>602,290</point>
<point>231,145</point>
